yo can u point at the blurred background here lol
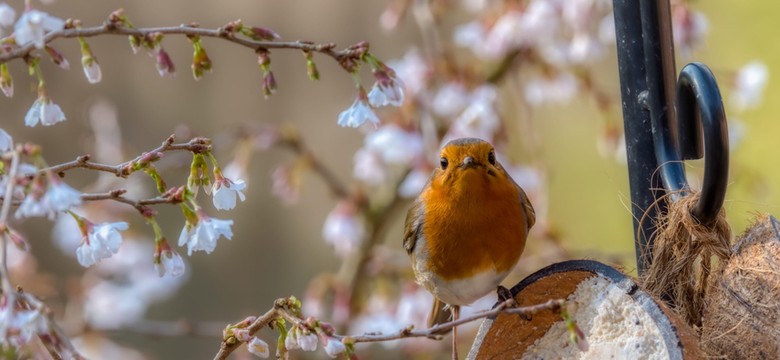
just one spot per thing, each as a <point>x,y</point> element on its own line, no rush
<point>278,248</point>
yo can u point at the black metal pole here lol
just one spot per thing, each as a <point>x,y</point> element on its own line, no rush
<point>645,91</point>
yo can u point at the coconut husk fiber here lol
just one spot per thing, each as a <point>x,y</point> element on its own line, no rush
<point>742,314</point>
<point>682,257</point>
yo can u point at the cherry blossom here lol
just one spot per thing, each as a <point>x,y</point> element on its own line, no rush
<point>100,242</point>
<point>225,191</point>
<point>334,347</point>
<point>33,25</point>
<point>307,341</point>
<point>204,234</point>
<point>258,347</point>
<point>388,90</point>
<point>359,113</point>
<point>44,111</point>
<point>168,262</point>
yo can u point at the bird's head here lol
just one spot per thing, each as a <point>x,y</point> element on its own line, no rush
<point>468,161</point>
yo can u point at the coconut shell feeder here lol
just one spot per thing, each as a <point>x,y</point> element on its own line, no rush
<point>703,297</point>
<point>512,336</point>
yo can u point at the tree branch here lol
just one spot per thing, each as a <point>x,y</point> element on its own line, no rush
<point>188,30</point>
<point>230,343</point>
<point>196,145</point>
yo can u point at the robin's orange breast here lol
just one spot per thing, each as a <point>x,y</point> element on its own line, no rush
<point>478,228</point>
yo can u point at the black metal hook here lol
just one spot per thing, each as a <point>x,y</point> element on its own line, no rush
<point>699,114</point>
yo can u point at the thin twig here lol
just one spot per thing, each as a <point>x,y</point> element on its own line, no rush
<point>56,342</point>
<point>220,33</point>
<point>4,211</point>
<point>231,343</point>
<point>196,145</point>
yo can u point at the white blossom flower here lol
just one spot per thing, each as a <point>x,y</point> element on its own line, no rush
<point>44,111</point>
<point>307,342</point>
<point>6,141</point>
<point>291,340</point>
<point>18,327</point>
<point>204,235</point>
<point>387,90</point>
<point>395,145</point>
<point>7,15</point>
<point>170,263</point>
<point>33,25</point>
<point>60,197</point>
<point>101,241</point>
<point>359,113</point>
<point>258,347</point>
<point>225,191</point>
<point>749,85</point>
<point>334,347</point>
<point>91,70</point>
<point>343,228</point>
<point>32,206</point>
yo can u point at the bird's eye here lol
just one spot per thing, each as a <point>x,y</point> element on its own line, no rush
<point>492,157</point>
<point>444,163</point>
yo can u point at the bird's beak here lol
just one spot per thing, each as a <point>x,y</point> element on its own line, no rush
<point>469,162</point>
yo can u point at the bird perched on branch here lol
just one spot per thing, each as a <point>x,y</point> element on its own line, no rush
<point>467,229</point>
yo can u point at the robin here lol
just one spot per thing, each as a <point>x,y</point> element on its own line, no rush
<point>467,229</point>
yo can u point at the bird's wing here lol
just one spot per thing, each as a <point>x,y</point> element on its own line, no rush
<point>413,225</point>
<point>528,209</point>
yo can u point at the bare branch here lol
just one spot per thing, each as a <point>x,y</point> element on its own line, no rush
<point>196,145</point>
<point>187,30</point>
<point>230,343</point>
